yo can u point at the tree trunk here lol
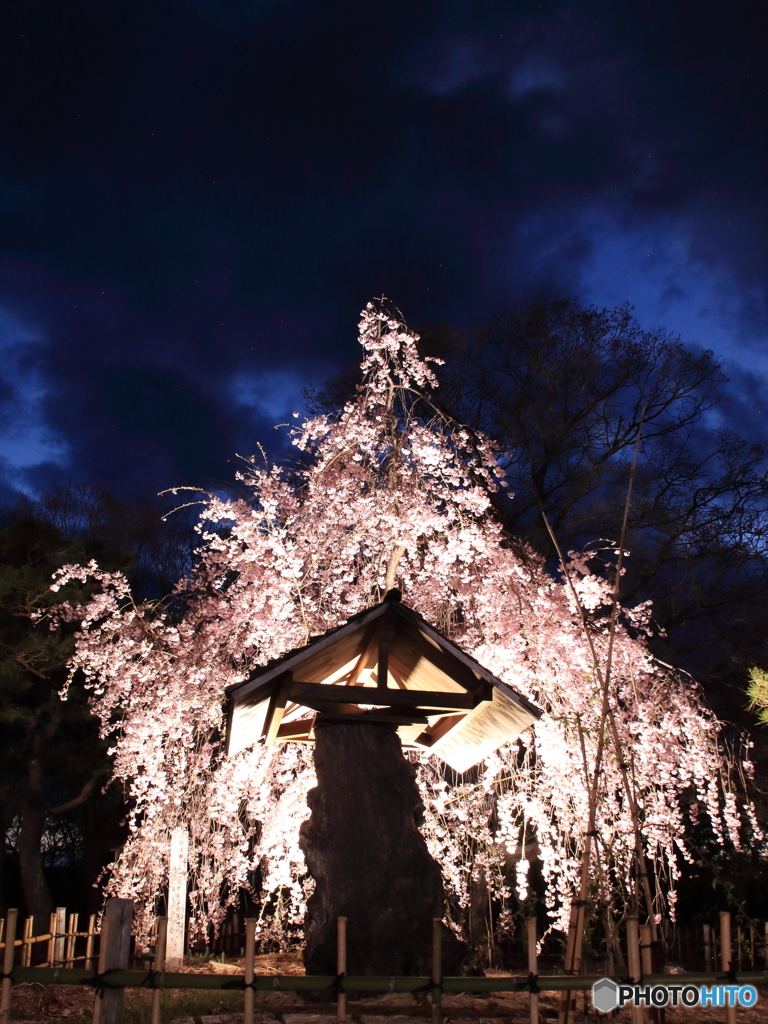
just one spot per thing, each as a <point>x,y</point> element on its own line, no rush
<point>37,898</point>
<point>369,860</point>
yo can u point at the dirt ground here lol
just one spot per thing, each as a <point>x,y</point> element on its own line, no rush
<point>34,1004</point>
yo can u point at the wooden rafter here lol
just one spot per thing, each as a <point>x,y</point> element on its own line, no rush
<point>369,642</point>
<point>277,707</point>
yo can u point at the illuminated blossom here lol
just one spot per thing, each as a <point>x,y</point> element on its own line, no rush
<point>389,491</point>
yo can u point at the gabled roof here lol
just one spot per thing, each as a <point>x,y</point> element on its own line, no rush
<point>384,664</point>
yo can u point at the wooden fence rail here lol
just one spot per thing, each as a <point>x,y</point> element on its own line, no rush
<point>113,976</point>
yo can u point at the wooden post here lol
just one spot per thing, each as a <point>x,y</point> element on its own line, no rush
<point>177,897</point>
<point>709,962</point>
<point>9,936</point>
<point>341,967</point>
<point>89,942</point>
<point>114,954</point>
<point>725,958</point>
<point>634,964</point>
<point>161,924</point>
<point>533,968</point>
<point>250,954</point>
<point>437,969</point>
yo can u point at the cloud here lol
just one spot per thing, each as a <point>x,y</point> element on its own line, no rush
<point>26,438</point>
<point>194,207</point>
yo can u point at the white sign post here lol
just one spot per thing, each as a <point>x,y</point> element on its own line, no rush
<point>177,898</point>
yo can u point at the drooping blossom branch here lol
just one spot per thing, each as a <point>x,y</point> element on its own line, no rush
<point>389,490</point>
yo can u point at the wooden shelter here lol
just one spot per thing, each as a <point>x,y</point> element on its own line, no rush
<point>388,665</point>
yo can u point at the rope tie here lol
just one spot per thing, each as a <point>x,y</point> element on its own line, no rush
<point>533,986</point>
<point>425,990</point>
<point>335,987</point>
<point>98,980</point>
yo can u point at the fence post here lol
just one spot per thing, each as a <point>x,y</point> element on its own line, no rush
<point>114,954</point>
<point>437,970</point>
<point>725,958</point>
<point>533,968</point>
<point>341,967</point>
<point>11,918</point>
<point>159,966</point>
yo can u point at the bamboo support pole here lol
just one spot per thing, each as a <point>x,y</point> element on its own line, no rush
<point>646,963</point>
<point>60,939</point>
<point>69,952</point>
<point>634,964</point>
<point>437,970</point>
<point>250,954</point>
<point>161,927</point>
<point>533,968</point>
<point>709,959</point>
<point>725,958</point>
<point>26,950</point>
<point>606,718</point>
<point>51,940</point>
<point>765,944</point>
<point>567,1000</point>
<point>341,967</point>
<point>90,936</point>
<point>646,949</point>
<point>10,939</point>
<point>489,929</point>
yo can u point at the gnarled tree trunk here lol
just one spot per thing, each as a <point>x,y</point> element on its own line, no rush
<point>369,860</point>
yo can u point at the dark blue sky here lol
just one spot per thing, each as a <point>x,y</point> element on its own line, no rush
<point>198,196</point>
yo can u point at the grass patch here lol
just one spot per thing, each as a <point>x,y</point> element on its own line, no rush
<point>180,1003</point>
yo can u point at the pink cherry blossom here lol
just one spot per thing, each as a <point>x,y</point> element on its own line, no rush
<point>389,491</point>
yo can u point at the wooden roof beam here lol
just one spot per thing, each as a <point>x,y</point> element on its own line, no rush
<point>304,693</point>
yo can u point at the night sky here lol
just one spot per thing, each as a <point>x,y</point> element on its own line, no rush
<point>198,196</point>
